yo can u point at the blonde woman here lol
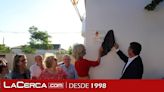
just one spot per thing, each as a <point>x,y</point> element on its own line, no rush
<point>82,65</point>
<point>52,71</point>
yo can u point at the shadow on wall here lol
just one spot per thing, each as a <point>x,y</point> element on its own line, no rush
<point>109,63</point>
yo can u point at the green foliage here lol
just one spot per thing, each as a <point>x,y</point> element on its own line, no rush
<point>69,50</point>
<point>4,49</point>
<point>28,49</point>
<point>39,39</point>
<point>61,52</point>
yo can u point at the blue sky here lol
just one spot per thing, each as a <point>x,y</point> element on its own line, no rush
<point>57,17</point>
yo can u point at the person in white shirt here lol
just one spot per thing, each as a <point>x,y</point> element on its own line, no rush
<point>133,68</point>
<point>37,68</point>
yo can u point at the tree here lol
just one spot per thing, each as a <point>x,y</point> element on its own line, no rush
<point>4,49</point>
<point>69,50</point>
<point>39,39</point>
<point>27,49</point>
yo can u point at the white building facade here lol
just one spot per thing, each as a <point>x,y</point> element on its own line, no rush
<point>130,22</point>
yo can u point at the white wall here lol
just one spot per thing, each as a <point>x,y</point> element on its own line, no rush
<point>130,23</point>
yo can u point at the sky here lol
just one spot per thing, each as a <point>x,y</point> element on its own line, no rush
<point>57,17</point>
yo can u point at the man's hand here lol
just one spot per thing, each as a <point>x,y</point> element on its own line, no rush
<point>116,46</point>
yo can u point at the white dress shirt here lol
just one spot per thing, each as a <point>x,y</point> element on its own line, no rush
<point>129,61</point>
<point>35,70</point>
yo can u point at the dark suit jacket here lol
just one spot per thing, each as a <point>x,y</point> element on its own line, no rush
<point>135,68</point>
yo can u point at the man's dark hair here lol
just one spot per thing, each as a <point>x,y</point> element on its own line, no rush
<point>136,47</point>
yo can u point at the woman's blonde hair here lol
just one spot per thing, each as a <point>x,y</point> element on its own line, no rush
<point>48,61</point>
<point>78,51</point>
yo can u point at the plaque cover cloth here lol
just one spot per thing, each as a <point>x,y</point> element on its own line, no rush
<point>108,42</point>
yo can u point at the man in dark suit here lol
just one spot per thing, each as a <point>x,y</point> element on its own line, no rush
<point>133,68</point>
